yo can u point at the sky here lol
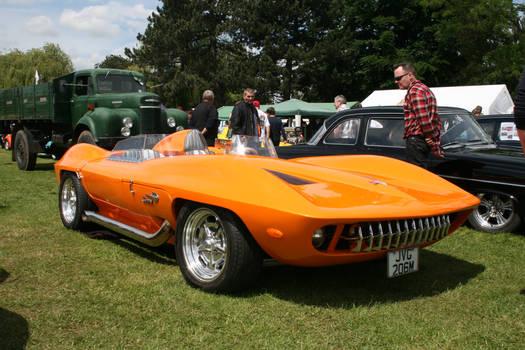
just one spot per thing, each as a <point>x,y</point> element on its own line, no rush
<point>87,31</point>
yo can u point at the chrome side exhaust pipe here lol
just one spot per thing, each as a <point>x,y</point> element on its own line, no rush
<point>152,239</point>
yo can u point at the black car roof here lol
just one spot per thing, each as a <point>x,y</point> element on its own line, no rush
<point>384,110</point>
<point>495,116</point>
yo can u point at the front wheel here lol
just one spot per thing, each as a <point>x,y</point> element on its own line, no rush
<point>214,250</point>
<point>72,201</point>
<point>496,213</point>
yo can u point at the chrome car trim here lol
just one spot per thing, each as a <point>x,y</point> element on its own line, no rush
<point>392,234</point>
<point>484,181</point>
<point>151,239</point>
<point>153,107</point>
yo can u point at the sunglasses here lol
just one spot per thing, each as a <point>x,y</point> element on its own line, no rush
<point>400,77</point>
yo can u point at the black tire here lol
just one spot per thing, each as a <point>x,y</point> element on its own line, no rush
<point>72,201</point>
<point>86,137</point>
<point>6,145</point>
<point>214,250</point>
<point>496,213</point>
<point>25,158</point>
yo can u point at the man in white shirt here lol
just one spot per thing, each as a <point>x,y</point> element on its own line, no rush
<point>265,124</point>
<point>340,103</point>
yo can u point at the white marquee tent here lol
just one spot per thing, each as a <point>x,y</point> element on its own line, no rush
<point>494,99</point>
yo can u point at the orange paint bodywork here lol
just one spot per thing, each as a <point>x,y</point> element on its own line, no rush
<point>280,214</point>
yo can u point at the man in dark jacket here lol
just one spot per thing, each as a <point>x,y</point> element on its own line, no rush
<point>205,118</point>
<point>245,119</point>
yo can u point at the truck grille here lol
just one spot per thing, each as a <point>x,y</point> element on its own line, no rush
<point>384,235</point>
<point>150,122</point>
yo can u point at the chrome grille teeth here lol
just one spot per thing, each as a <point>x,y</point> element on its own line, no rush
<point>384,235</point>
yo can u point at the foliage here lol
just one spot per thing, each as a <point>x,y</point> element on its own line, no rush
<point>115,62</point>
<point>61,290</point>
<point>316,49</point>
<point>18,68</point>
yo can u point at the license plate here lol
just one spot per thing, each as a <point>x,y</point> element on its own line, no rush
<point>402,261</point>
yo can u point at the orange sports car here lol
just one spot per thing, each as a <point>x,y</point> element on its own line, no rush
<point>228,207</point>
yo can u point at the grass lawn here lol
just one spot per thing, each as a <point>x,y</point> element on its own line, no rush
<point>60,289</point>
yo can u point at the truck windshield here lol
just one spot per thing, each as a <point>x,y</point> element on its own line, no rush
<point>111,83</point>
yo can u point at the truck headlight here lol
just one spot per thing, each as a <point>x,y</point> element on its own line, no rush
<point>125,131</point>
<point>127,122</point>
<point>171,122</point>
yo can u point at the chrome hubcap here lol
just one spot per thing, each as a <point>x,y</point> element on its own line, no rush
<point>494,211</point>
<point>204,244</point>
<point>69,200</point>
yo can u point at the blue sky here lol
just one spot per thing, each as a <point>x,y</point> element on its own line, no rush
<point>87,30</point>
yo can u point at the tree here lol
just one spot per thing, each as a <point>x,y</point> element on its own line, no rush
<point>18,68</point>
<point>188,51</point>
<point>116,62</point>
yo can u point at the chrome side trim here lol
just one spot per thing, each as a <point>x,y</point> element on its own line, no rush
<point>149,107</point>
<point>154,240</point>
<point>483,181</point>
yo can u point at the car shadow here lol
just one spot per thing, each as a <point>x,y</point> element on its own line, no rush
<point>14,331</point>
<point>164,254</point>
<point>364,283</point>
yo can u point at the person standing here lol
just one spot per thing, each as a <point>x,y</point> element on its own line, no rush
<point>422,122</point>
<point>519,110</point>
<point>263,120</point>
<point>340,103</point>
<point>205,118</point>
<point>245,119</point>
<point>276,127</point>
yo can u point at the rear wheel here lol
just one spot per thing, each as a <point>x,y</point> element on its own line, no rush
<point>72,201</point>
<point>86,137</point>
<point>25,158</point>
<point>6,145</point>
<point>496,213</point>
<point>214,250</point>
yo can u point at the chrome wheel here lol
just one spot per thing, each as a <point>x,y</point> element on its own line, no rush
<point>496,213</point>
<point>69,202</point>
<point>204,245</point>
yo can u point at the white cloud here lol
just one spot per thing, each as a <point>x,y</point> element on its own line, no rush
<point>93,20</point>
<point>41,25</point>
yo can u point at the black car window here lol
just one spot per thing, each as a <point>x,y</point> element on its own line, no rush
<point>344,133</point>
<point>488,125</point>
<point>385,132</point>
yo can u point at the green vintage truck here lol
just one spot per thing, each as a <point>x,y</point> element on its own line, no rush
<point>98,106</point>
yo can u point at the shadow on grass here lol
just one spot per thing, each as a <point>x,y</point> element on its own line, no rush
<point>365,283</point>
<point>14,329</point>
<point>44,166</point>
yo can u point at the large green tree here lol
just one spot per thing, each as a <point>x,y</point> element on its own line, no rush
<point>188,49</point>
<point>18,68</point>
<point>316,49</point>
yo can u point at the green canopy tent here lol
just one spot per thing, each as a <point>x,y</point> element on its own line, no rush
<point>292,112</point>
<point>293,107</point>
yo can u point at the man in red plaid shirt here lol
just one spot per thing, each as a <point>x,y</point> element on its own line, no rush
<point>422,123</point>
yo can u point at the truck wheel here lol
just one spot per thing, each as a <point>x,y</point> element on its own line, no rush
<point>72,201</point>
<point>496,213</point>
<point>25,159</point>
<point>6,145</point>
<point>214,250</point>
<point>86,137</point>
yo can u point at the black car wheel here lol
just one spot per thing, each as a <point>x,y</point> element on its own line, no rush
<point>214,250</point>
<point>496,213</point>
<point>25,158</point>
<point>72,201</point>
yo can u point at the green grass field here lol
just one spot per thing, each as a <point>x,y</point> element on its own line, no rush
<point>62,290</point>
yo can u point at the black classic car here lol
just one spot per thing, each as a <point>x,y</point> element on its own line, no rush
<point>472,160</point>
<point>501,128</point>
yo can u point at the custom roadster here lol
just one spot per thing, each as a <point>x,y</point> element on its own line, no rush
<point>472,160</point>
<point>227,208</point>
